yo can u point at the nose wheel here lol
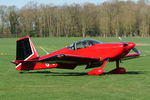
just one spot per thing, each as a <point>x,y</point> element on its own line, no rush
<point>118,70</point>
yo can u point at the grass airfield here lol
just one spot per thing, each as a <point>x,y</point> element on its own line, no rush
<point>59,84</point>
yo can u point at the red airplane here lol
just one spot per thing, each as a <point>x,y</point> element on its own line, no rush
<point>87,52</point>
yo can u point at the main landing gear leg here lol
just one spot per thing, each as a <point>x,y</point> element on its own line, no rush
<point>98,71</point>
<point>118,70</point>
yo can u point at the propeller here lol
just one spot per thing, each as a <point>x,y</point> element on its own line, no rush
<point>126,44</point>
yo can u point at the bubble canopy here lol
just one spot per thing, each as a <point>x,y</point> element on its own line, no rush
<point>83,44</point>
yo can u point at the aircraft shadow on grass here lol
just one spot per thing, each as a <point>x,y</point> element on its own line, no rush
<point>49,73</point>
<point>56,73</point>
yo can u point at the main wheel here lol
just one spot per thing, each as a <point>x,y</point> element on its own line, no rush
<point>119,70</point>
<point>96,71</point>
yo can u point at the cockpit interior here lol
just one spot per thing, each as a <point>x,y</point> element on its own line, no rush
<point>83,44</point>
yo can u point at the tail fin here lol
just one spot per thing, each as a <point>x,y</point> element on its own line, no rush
<point>25,49</point>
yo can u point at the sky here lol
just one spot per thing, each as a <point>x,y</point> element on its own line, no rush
<point>21,3</point>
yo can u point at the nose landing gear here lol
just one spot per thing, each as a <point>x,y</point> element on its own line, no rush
<point>118,70</point>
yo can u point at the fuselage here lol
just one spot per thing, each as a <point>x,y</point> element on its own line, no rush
<point>87,52</point>
<point>113,51</point>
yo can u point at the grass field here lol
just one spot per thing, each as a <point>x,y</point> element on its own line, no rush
<point>58,84</point>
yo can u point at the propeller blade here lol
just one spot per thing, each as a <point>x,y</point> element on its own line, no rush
<point>136,50</point>
<point>123,41</point>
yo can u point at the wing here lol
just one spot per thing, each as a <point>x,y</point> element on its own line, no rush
<point>68,59</point>
<point>131,56</point>
<point>63,61</point>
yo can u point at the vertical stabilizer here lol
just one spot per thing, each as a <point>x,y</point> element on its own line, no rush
<point>25,49</point>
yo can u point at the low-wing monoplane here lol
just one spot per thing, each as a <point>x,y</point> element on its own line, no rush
<point>87,52</point>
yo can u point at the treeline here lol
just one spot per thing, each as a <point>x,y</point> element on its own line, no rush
<point>109,19</point>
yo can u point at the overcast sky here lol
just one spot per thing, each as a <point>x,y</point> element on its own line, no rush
<point>20,3</point>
